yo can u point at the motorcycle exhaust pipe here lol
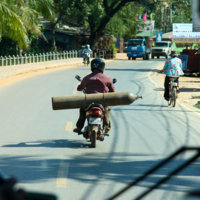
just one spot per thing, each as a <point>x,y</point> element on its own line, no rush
<point>83,101</point>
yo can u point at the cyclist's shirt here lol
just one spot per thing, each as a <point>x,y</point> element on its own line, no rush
<point>173,67</point>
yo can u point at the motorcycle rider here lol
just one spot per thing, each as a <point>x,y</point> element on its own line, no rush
<point>86,50</point>
<point>96,82</point>
<point>172,67</point>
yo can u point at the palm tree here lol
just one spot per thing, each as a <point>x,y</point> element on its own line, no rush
<point>18,17</point>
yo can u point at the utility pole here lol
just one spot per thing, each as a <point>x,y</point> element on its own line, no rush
<point>166,16</point>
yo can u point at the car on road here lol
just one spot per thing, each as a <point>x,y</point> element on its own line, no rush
<point>137,48</point>
<point>163,48</point>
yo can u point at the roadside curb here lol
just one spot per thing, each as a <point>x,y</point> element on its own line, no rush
<point>32,67</point>
<point>35,69</point>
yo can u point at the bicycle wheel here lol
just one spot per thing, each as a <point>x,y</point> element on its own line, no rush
<point>170,97</point>
<point>170,101</point>
<point>174,97</point>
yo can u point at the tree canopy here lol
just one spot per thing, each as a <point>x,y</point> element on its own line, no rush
<point>18,17</point>
<point>117,17</point>
<point>124,22</point>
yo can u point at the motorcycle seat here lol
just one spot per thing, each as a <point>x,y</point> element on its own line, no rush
<point>94,105</point>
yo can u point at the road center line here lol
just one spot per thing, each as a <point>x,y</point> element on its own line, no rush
<point>61,180</point>
<point>69,126</point>
<point>74,92</point>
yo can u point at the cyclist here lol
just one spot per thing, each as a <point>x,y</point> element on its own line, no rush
<point>172,67</point>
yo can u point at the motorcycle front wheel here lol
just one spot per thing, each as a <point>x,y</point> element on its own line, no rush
<point>87,61</point>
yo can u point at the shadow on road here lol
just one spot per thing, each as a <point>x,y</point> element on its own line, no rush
<point>88,167</point>
<point>151,105</point>
<point>76,144</point>
<point>159,89</point>
<point>189,90</point>
<point>139,70</point>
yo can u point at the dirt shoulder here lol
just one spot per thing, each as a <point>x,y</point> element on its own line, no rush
<point>189,87</point>
<point>11,74</point>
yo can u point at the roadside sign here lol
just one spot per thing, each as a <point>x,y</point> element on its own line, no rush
<point>184,30</point>
<point>184,59</point>
<point>159,37</point>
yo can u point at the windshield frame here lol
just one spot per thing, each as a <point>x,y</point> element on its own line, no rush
<point>135,42</point>
<point>157,44</point>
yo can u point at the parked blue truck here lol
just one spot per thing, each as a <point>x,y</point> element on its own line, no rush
<point>137,48</point>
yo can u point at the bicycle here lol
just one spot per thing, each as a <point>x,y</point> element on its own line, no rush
<point>172,90</point>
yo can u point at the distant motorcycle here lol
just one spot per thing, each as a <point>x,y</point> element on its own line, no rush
<point>95,114</point>
<point>86,59</point>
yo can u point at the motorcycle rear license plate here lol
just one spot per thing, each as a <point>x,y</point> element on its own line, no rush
<point>94,120</point>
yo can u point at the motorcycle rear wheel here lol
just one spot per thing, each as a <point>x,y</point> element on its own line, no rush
<point>93,138</point>
<point>85,63</point>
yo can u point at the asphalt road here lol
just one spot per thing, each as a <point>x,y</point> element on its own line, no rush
<point>38,147</point>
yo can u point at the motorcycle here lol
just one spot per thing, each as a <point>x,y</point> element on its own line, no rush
<point>95,115</point>
<point>86,58</point>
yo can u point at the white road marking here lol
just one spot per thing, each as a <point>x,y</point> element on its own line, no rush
<point>187,107</point>
<point>151,79</point>
<point>74,92</point>
<point>69,126</point>
<point>61,180</point>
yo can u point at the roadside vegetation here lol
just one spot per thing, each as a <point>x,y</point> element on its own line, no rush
<point>19,29</point>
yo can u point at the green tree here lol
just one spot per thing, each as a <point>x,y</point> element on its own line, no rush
<point>96,14</point>
<point>124,22</point>
<point>181,11</point>
<point>19,17</point>
<point>61,13</point>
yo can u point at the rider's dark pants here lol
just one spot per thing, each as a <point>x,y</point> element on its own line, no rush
<point>82,118</point>
<point>166,84</point>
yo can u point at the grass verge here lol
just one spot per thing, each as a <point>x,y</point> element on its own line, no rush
<point>197,106</point>
<point>195,97</point>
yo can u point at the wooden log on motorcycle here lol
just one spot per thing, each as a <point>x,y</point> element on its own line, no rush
<point>83,101</point>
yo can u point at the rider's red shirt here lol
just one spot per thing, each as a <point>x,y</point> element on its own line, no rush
<point>96,82</point>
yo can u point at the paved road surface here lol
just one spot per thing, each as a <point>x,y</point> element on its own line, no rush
<point>38,146</point>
